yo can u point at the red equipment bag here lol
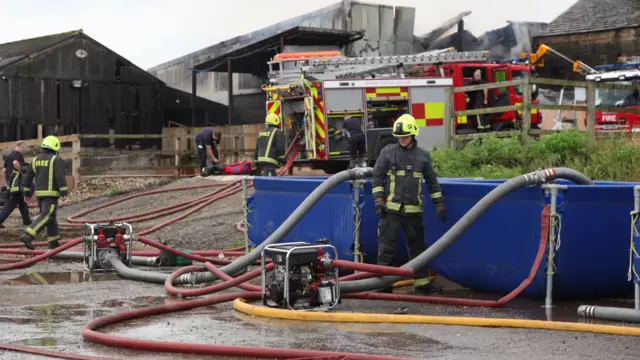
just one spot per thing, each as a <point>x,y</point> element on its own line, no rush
<point>242,167</point>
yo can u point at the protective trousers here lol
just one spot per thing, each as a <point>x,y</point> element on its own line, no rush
<point>14,201</point>
<point>268,169</point>
<point>48,213</point>
<point>483,120</point>
<point>388,231</point>
<point>357,148</point>
<point>202,156</point>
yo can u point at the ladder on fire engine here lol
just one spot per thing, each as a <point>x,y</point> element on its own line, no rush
<point>341,67</point>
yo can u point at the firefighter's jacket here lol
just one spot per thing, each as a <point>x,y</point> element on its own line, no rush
<point>47,171</point>
<point>397,177</point>
<point>270,146</point>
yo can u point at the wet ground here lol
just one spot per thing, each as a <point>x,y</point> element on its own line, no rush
<point>46,305</point>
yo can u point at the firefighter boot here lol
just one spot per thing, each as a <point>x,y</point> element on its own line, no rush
<point>26,239</point>
<point>53,244</point>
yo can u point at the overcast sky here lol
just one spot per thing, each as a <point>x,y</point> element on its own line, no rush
<point>150,32</point>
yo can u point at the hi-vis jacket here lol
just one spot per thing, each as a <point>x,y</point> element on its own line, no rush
<point>15,185</point>
<point>397,177</point>
<point>270,146</point>
<point>48,171</point>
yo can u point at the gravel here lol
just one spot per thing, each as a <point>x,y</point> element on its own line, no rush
<point>212,227</point>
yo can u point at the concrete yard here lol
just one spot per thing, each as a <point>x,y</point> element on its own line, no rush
<point>46,306</point>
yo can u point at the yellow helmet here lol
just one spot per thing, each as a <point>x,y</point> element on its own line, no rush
<point>272,119</point>
<point>405,126</point>
<point>51,142</point>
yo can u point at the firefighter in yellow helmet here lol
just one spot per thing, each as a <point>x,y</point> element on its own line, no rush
<point>270,147</point>
<point>397,190</point>
<point>47,171</point>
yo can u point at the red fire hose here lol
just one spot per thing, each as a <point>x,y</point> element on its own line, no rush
<point>89,332</point>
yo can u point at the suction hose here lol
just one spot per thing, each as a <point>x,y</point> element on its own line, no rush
<point>285,227</point>
<point>533,178</point>
<point>609,313</point>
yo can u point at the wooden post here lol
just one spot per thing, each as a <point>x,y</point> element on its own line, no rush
<point>176,146</point>
<point>40,131</point>
<point>526,110</point>
<point>448,117</point>
<point>76,162</point>
<point>591,110</point>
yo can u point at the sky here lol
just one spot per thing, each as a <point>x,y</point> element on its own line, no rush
<point>151,32</point>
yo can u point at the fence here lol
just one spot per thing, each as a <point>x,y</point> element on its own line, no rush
<point>176,157</point>
<point>526,106</point>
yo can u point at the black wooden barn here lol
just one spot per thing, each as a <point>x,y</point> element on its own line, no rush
<point>69,83</point>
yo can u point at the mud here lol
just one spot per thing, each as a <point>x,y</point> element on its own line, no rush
<point>47,304</point>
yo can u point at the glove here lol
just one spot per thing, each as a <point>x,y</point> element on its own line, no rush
<point>381,207</point>
<point>441,210</point>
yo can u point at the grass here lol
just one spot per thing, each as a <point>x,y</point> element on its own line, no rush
<point>612,159</point>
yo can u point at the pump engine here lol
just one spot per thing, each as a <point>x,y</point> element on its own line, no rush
<point>300,274</point>
<point>102,241</point>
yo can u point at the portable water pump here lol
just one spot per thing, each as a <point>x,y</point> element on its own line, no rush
<point>102,241</point>
<point>300,274</point>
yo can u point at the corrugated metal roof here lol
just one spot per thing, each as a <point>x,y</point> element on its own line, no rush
<point>596,15</point>
<point>16,50</point>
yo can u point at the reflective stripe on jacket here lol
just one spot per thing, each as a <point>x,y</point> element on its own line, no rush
<point>47,169</point>
<point>270,146</point>
<point>15,186</point>
<point>397,177</point>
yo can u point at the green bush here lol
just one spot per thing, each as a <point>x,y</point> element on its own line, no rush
<point>495,158</point>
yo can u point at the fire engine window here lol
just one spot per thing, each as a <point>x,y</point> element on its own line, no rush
<point>467,74</point>
<point>517,75</point>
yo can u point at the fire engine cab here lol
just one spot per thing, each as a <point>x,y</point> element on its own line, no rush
<point>315,92</point>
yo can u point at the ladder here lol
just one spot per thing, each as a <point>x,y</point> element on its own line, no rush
<point>446,57</point>
<point>342,67</point>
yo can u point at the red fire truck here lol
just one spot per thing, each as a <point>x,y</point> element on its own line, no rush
<point>312,92</point>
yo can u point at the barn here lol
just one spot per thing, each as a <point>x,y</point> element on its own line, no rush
<point>69,83</point>
<point>596,32</point>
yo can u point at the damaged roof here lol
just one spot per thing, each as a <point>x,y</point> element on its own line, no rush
<point>17,50</point>
<point>298,35</point>
<point>596,15</point>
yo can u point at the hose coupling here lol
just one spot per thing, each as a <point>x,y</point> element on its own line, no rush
<point>361,173</point>
<point>327,262</point>
<point>540,176</point>
<point>186,279</point>
<point>153,261</point>
<point>588,311</point>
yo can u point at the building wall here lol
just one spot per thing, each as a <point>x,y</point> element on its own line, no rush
<point>388,31</point>
<point>115,95</point>
<point>597,48</point>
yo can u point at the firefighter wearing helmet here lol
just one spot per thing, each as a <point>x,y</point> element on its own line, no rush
<point>397,190</point>
<point>47,171</point>
<point>270,147</point>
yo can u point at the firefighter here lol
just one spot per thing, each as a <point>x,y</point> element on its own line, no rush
<point>14,170</point>
<point>357,144</point>
<point>47,171</point>
<point>207,142</point>
<point>270,146</point>
<point>478,99</point>
<point>397,190</point>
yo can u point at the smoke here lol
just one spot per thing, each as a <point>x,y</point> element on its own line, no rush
<point>503,44</point>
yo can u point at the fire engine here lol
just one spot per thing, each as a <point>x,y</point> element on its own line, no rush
<point>313,92</point>
<point>626,72</point>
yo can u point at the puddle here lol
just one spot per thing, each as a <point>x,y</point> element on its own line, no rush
<point>34,278</point>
